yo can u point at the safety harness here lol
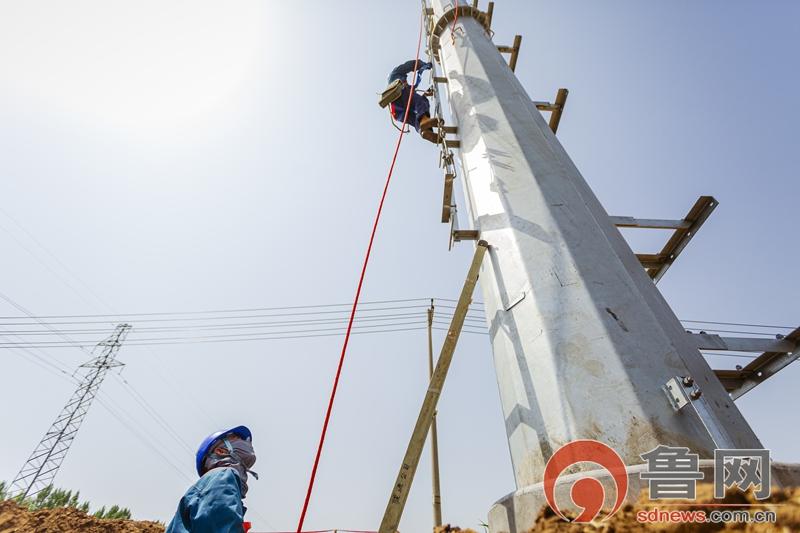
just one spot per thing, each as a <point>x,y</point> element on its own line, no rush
<point>392,93</point>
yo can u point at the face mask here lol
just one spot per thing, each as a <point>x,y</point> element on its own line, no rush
<point>243,451</point>
<point>240,457</point>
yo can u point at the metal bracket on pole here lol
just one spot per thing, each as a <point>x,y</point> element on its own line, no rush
<point>682,391</point>
<point>561,101</point>
<point>405,477</point>
<point>513,50</point>
<point>446,143</point>
<point>447,197</point>
<point>778,354</point>
<point>465,235</point>
<point>556,108</point>
<point>453,226</point>
<point>676,393</point>
<point>657,264</point>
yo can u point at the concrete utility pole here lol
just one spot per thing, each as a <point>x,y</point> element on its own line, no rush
<point>583,342</point>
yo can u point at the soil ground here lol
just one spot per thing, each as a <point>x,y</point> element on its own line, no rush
<point>785,503</point>
<point>15,519</point>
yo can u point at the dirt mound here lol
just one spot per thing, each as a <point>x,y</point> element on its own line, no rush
<point>447,528</point>
<point>15,519</point>
<point>784,502</point>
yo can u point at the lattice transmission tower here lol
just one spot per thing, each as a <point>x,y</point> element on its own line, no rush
<point>42,466</point>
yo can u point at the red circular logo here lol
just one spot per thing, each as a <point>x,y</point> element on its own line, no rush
<point>587,492</point>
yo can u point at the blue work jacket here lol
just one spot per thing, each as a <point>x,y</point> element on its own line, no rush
<point>212,505</point>
<point>419,104</point>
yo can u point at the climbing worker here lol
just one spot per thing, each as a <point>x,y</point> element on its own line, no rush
<point>214,503</point>
<point>396,97</point>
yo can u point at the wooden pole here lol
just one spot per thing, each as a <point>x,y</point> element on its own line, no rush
<point>437,498</point>
<point>405,477</point>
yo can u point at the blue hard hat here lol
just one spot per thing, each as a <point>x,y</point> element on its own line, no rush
<point>240,431</point>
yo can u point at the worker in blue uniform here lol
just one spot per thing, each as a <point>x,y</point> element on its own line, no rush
<point>214,503</point>
<point>397,95</point>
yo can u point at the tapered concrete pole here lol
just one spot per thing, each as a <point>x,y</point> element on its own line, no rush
<point>582,340</point>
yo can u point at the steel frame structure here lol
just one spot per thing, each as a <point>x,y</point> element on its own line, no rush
<point>43,464</point>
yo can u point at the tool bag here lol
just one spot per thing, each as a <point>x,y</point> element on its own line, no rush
<point>391,93</point>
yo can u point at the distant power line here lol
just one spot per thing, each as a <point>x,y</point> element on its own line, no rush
<point>243,325</point>
<point>261,324</point>
<point>232,325</point>
<point>738,324</point>
<point>239,310</point>
<point>175,318</point>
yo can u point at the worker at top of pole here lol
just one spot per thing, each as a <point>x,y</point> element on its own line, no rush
<point>396,97</point>
<point>214,503</point>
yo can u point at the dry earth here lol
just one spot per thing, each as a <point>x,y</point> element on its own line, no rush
<point>14,519</point>
<point>785,503</point>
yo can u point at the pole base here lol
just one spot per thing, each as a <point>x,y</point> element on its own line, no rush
<point>517,512</point>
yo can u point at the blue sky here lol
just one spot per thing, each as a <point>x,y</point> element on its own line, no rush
<point>182,156</point>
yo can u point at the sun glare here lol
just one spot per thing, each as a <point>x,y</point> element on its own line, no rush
<point>135,65</point>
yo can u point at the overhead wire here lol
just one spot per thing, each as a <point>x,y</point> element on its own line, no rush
<point>42,362</point>
<point>736,331</point>
<point>63,374</point>
<point>297,329</point>
<point>160,420</point>
<point>104,399</point>
<point>192,319</point>
<point>40,260</point>
<point>24,310</point>
<point>240,310</point>
<point>74,276</point>
<point>246,325</point>
<point>72,287</point>
<point>60,263</point>
<point>221,316</point>
<point>70,343</point>
<point>60,278</point>
<point>181,316</point>
<point>738,324</point>
<point>232,336</point>
<point>215,341</point>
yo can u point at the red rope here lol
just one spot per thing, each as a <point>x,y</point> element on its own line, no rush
<point>358,294</point>
<point>455,20</point>
<point>323,531</point>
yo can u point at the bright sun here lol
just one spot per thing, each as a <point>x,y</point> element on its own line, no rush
<point>135,65</point>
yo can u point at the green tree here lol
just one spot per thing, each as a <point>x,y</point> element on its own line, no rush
<point>115,512</point>
<point>52,498</point>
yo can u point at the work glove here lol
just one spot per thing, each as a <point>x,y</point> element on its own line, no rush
<point>427,66</point>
